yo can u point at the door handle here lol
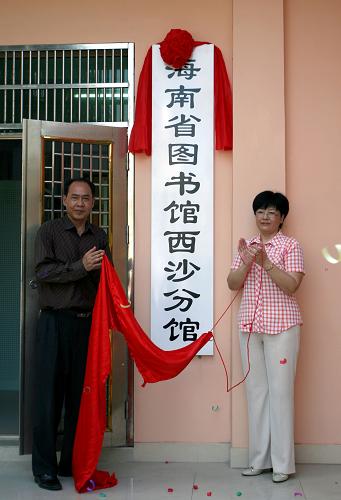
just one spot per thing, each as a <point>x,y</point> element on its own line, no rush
<point>33,284</point>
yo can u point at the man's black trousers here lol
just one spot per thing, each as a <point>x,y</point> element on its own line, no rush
<point>60,359</point>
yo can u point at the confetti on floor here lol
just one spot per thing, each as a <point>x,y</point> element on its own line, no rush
<point>91,486</point>
<point>239,493</point>
<point>170,490</point>
<point>195,487</point>
<point>298,494</point>
<point>283,361</point>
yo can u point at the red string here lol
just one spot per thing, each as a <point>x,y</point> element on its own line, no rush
<point>229,389</point>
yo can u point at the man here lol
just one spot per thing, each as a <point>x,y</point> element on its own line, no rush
<point>68,257</point>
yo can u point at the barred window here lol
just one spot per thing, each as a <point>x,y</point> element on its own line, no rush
<point>75,83</point>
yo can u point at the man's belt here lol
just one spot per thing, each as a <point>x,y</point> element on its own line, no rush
<point>78,313</point>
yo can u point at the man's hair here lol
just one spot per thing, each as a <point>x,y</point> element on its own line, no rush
<point>267,199</point>
<point>87,181</point>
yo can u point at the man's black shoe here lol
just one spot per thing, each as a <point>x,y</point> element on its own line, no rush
<point>48,482</point>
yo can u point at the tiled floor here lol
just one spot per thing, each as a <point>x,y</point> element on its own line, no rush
<point>186,481</point>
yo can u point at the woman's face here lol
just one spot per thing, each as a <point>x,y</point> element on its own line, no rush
<point>268,221</point>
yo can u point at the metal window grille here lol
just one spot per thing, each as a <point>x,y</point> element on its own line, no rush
<point>63,160</point>
<point>76,83</point>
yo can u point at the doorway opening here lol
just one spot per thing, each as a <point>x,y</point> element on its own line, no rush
<point>87,83</point>
<point>10,258</point>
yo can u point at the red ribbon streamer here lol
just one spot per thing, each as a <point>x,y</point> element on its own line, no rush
<point>153,363</point>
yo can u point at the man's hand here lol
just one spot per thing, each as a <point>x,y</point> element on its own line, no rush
<point>92,259</point>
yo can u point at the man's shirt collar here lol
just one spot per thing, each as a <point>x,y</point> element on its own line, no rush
<point>68,224</point>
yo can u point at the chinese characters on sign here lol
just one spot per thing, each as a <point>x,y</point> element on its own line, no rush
<point>182,200</point>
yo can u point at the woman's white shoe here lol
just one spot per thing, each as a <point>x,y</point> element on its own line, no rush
<point>278,477</point>
<point>250,471</point>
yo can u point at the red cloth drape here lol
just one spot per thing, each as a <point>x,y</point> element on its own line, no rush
<point>141,135</point>
<point>222,103</point>
<point>153,363</point>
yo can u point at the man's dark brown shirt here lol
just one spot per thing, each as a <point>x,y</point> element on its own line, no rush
<point>63,282</point>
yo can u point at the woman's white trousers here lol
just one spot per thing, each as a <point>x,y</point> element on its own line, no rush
<point>270,395</point>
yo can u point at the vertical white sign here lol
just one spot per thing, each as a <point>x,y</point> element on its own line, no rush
<point>182,200</point>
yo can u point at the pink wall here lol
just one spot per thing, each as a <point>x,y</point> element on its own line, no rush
<point>313,125</point>
<point>309,167</point>
<point>179,410</point>
<point>259,139</point>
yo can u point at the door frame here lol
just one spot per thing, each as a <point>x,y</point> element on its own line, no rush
<point>27,242</point>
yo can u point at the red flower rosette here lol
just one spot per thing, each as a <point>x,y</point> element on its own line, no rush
<point>177,48</point>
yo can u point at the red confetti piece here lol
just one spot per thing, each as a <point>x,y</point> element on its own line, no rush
<point>209,493</point>
<point>298,494</point>
<point>195,487</point>
<point>170,490</point>
<point>283,361</point>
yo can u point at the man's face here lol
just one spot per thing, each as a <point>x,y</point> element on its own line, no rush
<point>79,202</point>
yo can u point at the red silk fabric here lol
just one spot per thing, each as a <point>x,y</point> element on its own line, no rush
<point>153,363</point>
<point>141,134</point>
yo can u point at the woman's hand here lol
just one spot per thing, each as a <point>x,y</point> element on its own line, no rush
<point>253,253</point>
<point>286,281</point>
<point>247,253</point>
<point>262,258</point>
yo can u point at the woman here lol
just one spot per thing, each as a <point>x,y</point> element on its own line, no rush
<point>270,269</point>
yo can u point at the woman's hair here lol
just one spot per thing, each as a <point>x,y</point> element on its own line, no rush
<point>267,199</point>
